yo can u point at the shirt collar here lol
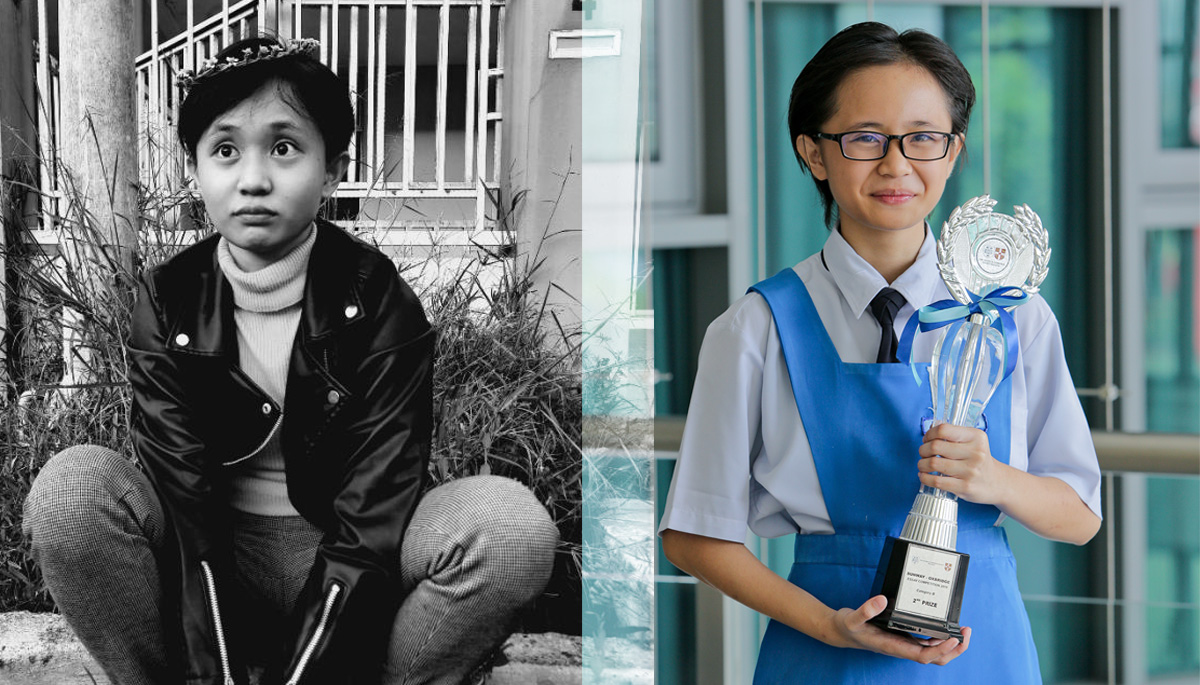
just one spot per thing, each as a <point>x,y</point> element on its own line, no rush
<point>859,282</point>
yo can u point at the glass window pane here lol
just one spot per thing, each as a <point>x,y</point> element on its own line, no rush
<point>1180,73</point>
<point>1070,638</point>
<point>1172,343</point>
<point>1172,576</point>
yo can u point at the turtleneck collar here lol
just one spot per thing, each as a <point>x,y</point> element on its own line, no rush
<point>274,287</point>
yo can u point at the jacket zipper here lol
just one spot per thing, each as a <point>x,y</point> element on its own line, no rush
<point>311,647</point>
<point>216,614</point>
<point>261,446</point>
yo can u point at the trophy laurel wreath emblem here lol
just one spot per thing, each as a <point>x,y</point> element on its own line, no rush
<point>990,264</point>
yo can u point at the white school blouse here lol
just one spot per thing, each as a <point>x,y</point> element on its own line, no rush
<point>745,458</point>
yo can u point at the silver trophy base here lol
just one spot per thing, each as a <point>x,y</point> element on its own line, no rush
<point>933,521</point>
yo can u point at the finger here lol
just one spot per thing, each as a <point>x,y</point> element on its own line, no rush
<point>925,651</point>
<point>942,448</point>
<point>942,465</point>
<point>941,653</point>
<point>869,610</point>
<point>892,644</point>
<point>943,431</point>
<point>957,651</point>
<point>941,482</point>
<point>952,433</point>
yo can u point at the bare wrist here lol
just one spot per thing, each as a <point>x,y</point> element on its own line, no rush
<point>828,628</point>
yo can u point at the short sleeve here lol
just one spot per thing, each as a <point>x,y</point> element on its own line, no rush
<point>710,490</point>
<point>1059,439</point>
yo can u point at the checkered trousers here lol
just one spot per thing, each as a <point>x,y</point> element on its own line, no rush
<point>476,551</point>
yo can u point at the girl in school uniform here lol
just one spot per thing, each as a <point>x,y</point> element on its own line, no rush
<point>798,425</point>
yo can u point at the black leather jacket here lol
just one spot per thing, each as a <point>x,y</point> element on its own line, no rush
<point>356,431</point>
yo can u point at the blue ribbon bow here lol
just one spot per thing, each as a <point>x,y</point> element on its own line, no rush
<point>992,306</point>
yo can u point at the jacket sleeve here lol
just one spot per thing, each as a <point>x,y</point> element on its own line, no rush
<point>167,439</point>
<point>345,613</point>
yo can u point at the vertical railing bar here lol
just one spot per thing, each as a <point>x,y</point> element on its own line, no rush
<point>45,116</point>
<point>190,60</point>
<point>297,18</point>
<point>163,64</point>
<point>143,147</point>
<point>168,64</point>
<point>410,89</point>
<point>499,108</point>
<point>1110,634</point>
<point>468,124</point>
<point>225,38</point>
<point>1110,563</point>
<point>325,34</point>
<point>760,163</point>
<point>372,19</point>
<point>1110,396</point>
<point>169,115</point>
<point>355,92</point>
<point>335,37</point>
<point>56,108</point>
<point>986,99</point>
<point>485,13</point>
<point>381,95</point>
<point>443,59</point>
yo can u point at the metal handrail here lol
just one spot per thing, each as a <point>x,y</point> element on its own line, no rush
<point>1153,453</point>
<point>1159,453</point>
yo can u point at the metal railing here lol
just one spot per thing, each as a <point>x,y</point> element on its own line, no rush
<point>425,150</point>
<point>1153,453</point>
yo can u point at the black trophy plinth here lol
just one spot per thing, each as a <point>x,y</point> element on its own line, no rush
<point>924,588</point>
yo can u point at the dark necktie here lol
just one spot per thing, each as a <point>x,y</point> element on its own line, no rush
<point>884,307</point>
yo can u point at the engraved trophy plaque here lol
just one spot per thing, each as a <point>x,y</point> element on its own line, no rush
<point>983,258</point>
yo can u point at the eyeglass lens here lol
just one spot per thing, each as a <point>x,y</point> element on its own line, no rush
<point>919,145</point>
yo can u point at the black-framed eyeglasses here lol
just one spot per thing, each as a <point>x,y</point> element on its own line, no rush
<point>865,146</point>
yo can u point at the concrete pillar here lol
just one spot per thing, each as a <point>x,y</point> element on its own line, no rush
<point>542,149</point>
<point>98,147</point>
<point>98,143</point>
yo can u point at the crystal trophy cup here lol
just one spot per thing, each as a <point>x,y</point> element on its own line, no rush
<point>979,252</point>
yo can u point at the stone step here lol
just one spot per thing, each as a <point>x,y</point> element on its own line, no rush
<point>40,649</point>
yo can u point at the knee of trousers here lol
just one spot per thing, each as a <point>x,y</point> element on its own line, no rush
<point>499,529</point>
<point>82,498</point>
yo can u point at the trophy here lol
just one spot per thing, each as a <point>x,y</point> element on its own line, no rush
<point>984,258</point>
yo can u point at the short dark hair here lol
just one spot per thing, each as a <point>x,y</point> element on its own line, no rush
<point>869,44</point>
<point>304,83</point>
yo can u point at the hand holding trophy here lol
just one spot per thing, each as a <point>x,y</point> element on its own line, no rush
<point>990,263</point>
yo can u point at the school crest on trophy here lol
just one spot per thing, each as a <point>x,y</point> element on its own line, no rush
<point>980,251</point>
<point>991,263</point>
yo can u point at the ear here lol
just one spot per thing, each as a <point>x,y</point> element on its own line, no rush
<point>335,169</point>
<point>190,164</point>
<point>810,152</point>
<point>956,147</point>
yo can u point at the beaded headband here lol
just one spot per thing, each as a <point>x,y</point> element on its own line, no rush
<point>188,78</point>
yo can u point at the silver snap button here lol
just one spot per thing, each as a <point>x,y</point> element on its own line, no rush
<point>182,340</point>
<point>351,311</point>
<point>266,408</point>
<point>333,397</point>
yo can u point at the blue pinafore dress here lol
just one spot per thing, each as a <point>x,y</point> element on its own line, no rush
<point>865,424</point>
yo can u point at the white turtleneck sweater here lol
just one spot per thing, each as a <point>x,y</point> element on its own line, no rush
<point>267,312</point>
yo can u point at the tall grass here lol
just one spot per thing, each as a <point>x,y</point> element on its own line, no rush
<point>506,383</point>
